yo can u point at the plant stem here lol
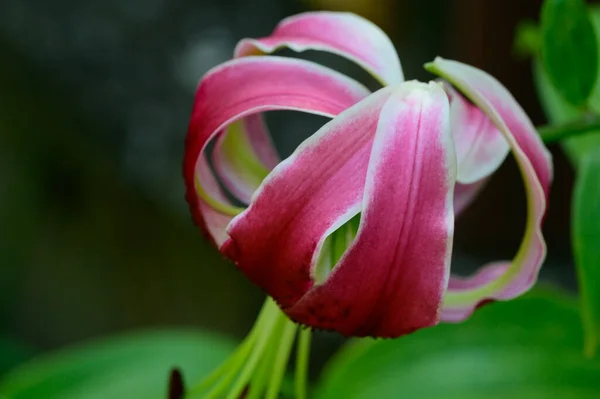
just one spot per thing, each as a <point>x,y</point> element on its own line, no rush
<point>227,371</point>
<point>260,362</point>
<point>301,378</point>
<point>273,317</point>
<point>281,360</point>
<point>553,133</point>
<point>264,369</point>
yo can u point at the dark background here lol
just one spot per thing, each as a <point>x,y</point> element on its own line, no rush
<point>95,235</point>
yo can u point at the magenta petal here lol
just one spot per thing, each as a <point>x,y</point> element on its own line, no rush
<point>214,222</point>
<point>534,161</point>
<point>319,187</point>
<point>236,162</point>
<point>486,275</point>
<point>244,87</point>
<point>392,279</point>
<point>344,34</point>
<point>397,165</point>
<point>244,155</point>
<point>480,146</point>
<point>261,141</point>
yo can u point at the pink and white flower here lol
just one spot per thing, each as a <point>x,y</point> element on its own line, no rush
<point>353,232</point>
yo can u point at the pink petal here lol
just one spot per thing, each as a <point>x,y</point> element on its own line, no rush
<point>486,275</point>
<point>480,146</point>
<point>397,165</point>
<point>247,86</point>
<point>314,191</point>
<point>237,163</point>
<point>536,167</point>
<point>344,34</point>
<point>260,138</point>
<point>214,222</point>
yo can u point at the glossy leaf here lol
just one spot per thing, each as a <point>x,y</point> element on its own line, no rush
<point>581,150</point>
<point>559,111</point>
<point>131,366</point>
<point>527,348</point>
<point>569,49</point>
<point>586,236</point>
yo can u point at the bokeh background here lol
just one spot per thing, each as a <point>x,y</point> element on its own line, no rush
<point>95,235</point>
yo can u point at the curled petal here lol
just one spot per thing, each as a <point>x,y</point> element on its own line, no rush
<point>237,163</point>
<point>344,34</point>
<point>392,279</point>
<point>480,146</point>
<point>390,157</point>
<point>260,140</point>
<point>243,87</point>
<point>511,279</point>
<point>214,222</point>
<point>307,196</point>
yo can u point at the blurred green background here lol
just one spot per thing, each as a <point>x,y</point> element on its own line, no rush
<point>95,235</point>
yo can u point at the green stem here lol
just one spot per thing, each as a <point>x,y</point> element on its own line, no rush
<point>283,355</point>
<point>271,320</point>
<point>225,373</point>
<point>262,375</point>
<point>232,363</point>
<point>260,361</point>
<point>553,133</point>
<point>302,357</point>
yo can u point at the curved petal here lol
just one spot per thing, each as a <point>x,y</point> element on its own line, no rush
<point>391,281</point>
<point>237,163</point>
<point>307,196</point>
<point>260,140</point>
<point>247,86</point>
<point>344,34</point>
<point>536,168</point>
<point>396,164</point>
<point>244,156</point>
<point>214,222</point>
<point>480,146</point>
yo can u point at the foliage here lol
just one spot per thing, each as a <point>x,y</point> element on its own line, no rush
<point>527,348</point>
<point>131,366</point>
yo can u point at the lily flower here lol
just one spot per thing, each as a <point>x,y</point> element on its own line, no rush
<point>353,232</point>
<point>380,177</point>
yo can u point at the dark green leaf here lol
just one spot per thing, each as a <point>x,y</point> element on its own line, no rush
<point>569,49</point>
<point>12,353</point>
<point>559,112</point>
<point>583,152</point>
<point>528,348</point>
<point>132,366</point>
<point>586,240</point>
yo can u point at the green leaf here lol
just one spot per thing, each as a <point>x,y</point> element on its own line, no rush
<point>12,353</point>
<point>131,366</point>
<point>527,348</point>
<point>558,111</point>
<point>569,49</point>
<point>586,237</point>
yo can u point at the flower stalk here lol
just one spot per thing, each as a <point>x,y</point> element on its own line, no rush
<point>257,367</point>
